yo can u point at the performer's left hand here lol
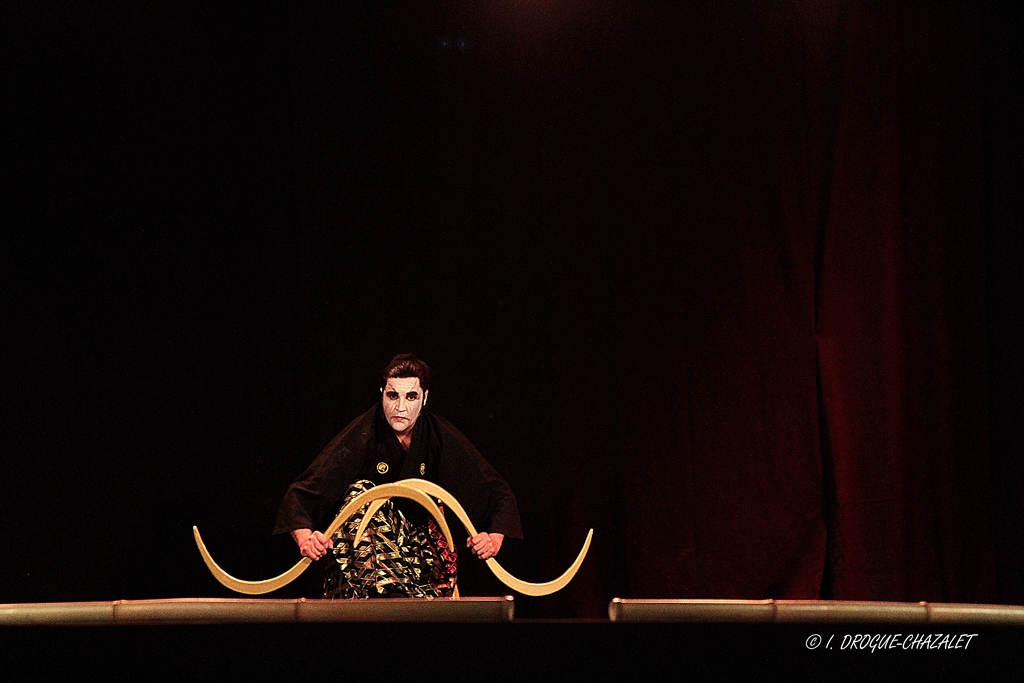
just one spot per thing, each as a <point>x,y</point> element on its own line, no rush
<point>485,545</point>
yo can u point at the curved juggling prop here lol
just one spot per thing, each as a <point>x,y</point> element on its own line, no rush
<point>518,585</point>
<point>376,493</point>
<point>420,491</point>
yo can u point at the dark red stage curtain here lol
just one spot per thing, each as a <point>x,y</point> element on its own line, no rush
<point>901,320</point>
<point>729,260</point>
<point>806,415</point>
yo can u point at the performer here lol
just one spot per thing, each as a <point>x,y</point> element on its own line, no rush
<point>403,553</point>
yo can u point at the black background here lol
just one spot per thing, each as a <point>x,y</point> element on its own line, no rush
<point>222,221</point>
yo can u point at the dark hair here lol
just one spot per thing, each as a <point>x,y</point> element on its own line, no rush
<point>407,365</point>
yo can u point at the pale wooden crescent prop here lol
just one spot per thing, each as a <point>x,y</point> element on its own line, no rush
<point>414,489</point>
<point>518,585</point>
<point>354,505</point>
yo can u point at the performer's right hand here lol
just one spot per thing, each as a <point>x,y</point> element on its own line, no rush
<point>312,544</point>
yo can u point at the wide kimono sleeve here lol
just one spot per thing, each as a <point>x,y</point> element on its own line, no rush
<point>313,499</point>
<point>487,497</point>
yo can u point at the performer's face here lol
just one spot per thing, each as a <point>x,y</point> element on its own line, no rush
<point>403,400</point>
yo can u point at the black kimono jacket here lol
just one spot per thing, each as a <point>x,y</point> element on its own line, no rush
<point>369,449</point>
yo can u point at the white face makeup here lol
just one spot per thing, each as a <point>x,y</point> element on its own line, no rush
<point>403,399</point>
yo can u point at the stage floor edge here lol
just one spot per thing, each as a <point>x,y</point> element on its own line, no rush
<point>496,610</point>
<point>812,612</point>
<point>178,611</point>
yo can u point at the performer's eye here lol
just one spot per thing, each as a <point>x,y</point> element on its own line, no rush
<point>392,395</point>
<point>412,396</point>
